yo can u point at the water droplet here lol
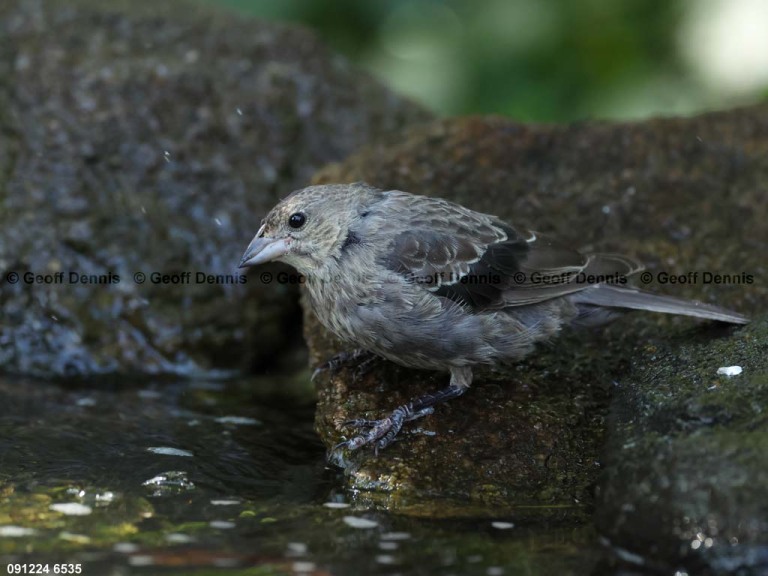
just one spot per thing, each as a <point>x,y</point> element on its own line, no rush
<point>336,505</point>
<point>76,538</point>
<point>168,483</point>
<point>71,508</point>
<point>730,370</point>
<point>303,567</point>
<point>225,502</point>
<point>221,524</point>
<point>11,531</point>
<point>179,538</point>
<point>297,548</point>
<point>361,523</point>
<point>238,420</point>
<point>143,560</point>
<point>168,451</point>
<point>395,536</point>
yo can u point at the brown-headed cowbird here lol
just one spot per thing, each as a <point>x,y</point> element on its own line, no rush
<point>427,283</point>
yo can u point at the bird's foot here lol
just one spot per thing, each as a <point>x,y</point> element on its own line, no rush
<point>361,359</point>
<point>382,432</point>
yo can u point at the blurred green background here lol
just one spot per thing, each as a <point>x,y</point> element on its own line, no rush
<point>548,60</point>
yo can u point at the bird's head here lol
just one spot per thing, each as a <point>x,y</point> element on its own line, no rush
<point>308,228</point>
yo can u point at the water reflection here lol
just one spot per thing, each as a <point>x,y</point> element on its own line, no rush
<point>137,476</point>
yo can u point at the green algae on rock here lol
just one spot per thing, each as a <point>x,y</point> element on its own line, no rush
<point>686,474</point>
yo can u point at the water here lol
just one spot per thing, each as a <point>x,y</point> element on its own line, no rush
<point>197,477</point>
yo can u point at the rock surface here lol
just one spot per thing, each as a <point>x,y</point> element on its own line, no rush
<point>142,137</point>
<point>686,481</point>
<point>682,195</point>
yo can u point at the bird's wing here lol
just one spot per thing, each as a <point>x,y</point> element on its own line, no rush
<point>479,261</point>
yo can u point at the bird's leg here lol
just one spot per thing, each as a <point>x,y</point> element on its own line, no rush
<point>363,358</point>
<point>382,432</point>
<point>367,361</point>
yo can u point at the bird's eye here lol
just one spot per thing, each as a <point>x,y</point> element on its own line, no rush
<point>296,220</point>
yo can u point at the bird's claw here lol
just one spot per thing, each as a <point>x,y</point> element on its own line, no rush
<point>363,358</point>
<point>364,366</point>
<point>380,433</point>
<point>359,423</point>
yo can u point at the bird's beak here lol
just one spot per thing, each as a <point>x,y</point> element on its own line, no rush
<point>262,250</point>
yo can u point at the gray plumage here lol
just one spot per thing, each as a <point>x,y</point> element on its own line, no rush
<point>427,283</point>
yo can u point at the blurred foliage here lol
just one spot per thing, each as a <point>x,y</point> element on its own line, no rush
<point>543,60</point>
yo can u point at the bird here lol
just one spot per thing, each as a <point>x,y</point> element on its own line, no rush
<point>430,284</point>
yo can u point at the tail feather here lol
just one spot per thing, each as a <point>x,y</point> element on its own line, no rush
<point>610,296</point>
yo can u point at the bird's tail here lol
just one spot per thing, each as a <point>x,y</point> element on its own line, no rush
<point>593,300</point>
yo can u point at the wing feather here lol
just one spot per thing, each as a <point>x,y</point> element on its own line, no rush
<point>478,260</point>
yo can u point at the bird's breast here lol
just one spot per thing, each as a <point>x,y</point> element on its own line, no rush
<point>334,299</point>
